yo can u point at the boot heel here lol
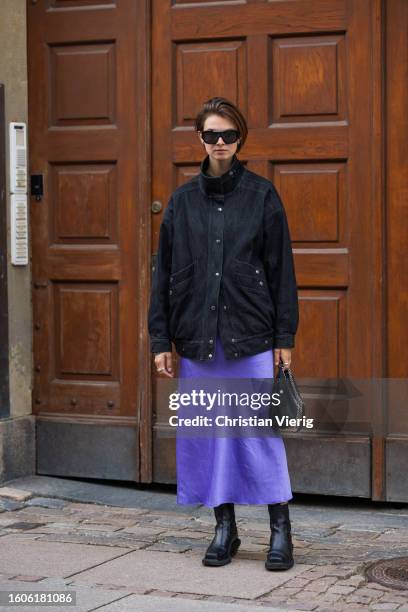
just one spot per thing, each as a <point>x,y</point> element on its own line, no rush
<point>234,546</point>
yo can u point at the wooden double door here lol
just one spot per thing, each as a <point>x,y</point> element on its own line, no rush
<point>114,87</point>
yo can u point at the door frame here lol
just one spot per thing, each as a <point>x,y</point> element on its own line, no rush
<point>143,269</point>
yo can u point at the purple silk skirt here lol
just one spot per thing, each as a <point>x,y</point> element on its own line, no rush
<point>213,470</point>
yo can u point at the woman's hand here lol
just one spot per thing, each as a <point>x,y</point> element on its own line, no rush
<point>283,354</point>
<point>163,363</point>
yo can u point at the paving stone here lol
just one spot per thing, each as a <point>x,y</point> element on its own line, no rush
<point>23,556</point>
<point>240,578</point>
<point>340,572</point>
<point>4,576</point>
<point>300,605</point>
<point>322,571</point>
<point>57,528</point>
<point>288,591</point>
<point>36,514</point>
<point>28,578</point>
<point>182,534</point>
<point>47,502</point>
<point>384,606</point>
<point>158,593</point>
<point>173,521</point>
<point>319,586</point>
<point>148,603</point>
<point>114,522</point>
<point>93,539</point>
<point>190,542</point>
<point>299,582</point>
<point>141,531</point>
<point>330,597</point>
<point>188,596</point>
<point>379,587</point>
<point>87,598</point>
<point>273,600</point>
<point>24,526</point>
<point>396,535</point>
<point>251,547</point>
<point>298,544</point>
<point>363,599</point>
<point>346,535</point>
<point>173,547</point>
<point>389,598</point>
<point>9,519</point>
<point>104,528</point>
<point>353,581</point>
<point>341,589</point>
<point>220,599</point>
<point>14,494</point>
<point>10,505</point>
<point>350,608</point>
<point>30,511</point>
<point>368,592</point>
<point>83,507</point>
<point>316,587</point>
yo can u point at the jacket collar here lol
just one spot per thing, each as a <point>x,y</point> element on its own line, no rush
<point>216,185</point>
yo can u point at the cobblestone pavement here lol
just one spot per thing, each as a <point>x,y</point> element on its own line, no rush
<point>94,544</point>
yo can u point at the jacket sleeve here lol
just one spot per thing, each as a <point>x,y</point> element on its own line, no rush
<point>280,270</point>
<point>158,317</point>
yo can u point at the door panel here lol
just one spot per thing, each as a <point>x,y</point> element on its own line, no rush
<point>87,128</point>
<point>302,73</point>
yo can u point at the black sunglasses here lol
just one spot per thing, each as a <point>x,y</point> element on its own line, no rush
<point>228,136</point>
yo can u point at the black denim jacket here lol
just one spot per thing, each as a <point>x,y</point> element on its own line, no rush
<point>225,263</point>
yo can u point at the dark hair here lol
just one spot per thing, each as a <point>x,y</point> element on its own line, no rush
<point>224,108</point>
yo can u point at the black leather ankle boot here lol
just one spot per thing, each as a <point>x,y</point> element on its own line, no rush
<point>279,556</point>
<point>225,542</point>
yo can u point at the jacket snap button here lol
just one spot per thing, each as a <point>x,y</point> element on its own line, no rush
<point>261,282</point>
<point>225,308</point>
<point>217,240</point>
<point>266,341</point>
<point>211,341</point>
<point>170,291</point>
<point>220,208</point>
<point>210,355</point>
<point>235,354</point>
<point>257,271</point>
<point>232,339</point>
<point>217,274</point>
<point>212,307</point>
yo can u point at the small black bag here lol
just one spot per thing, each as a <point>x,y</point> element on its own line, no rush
<point>291,402</point>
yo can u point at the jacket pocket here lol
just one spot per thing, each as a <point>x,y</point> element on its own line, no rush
<point>244,267</point>
<point>251,277</point>
<point>181,285</point>
<point>181,275</point>
<point>181,280</point>
<point>249,282</point>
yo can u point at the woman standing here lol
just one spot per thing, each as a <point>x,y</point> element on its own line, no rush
<point>224,292</point>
